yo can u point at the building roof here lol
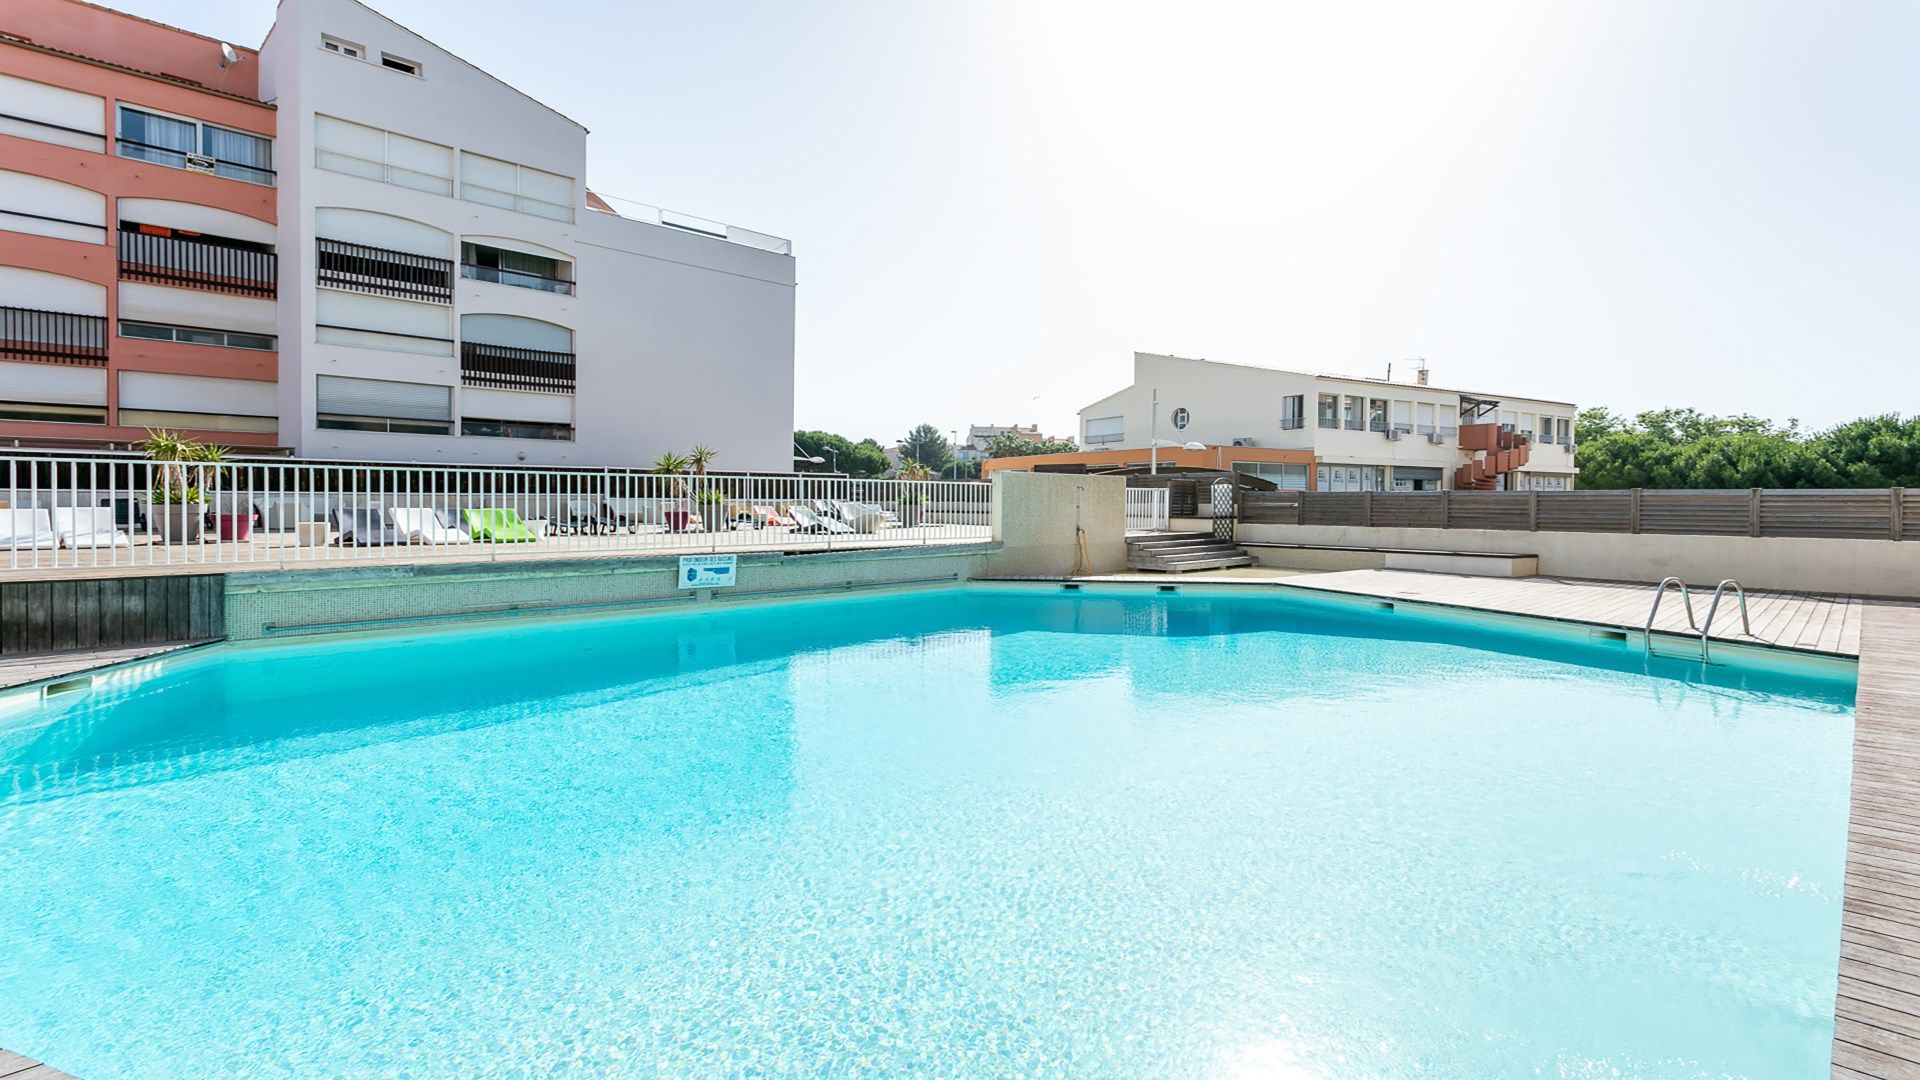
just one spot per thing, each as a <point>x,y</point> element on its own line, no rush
<point>1349,379</point>
<point>23,36</point>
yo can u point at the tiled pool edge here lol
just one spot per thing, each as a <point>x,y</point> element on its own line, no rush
<point>1877,1008</point>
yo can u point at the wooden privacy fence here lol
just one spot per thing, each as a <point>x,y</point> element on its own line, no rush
<point>1852,514</point>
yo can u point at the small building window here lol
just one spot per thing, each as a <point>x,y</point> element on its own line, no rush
<point>344,48</point>
<point>388,60</point>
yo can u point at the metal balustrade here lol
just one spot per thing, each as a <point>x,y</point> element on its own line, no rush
<point>80,511</point>
<point>1147,509</point>
<point>198,264</point>
<point>506,368</point>
<point>53,337</point>
<point>384,271</point>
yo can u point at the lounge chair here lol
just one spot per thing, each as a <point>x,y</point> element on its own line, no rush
<point>497,524</point>
<point>766,517</point>
<point>863,518</point>
<point>24,529</point>
<point>809,522</point>
<point>619,514</point>
<point>582,516</point>
<point>127,514</point>
<point>364,527</point>
<point>87,526</point>
<point>421,525</point>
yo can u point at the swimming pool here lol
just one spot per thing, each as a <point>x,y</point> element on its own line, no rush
<point>959,832</point>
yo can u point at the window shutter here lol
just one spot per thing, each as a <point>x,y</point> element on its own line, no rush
<point>53,383</point>
<point>78,214</point>
<point>34,106</point>
<point>38,290</point>
<point>514,405</point>
<point>1107,427</point>
<point>342,146</point>
<point>377,397</point>
<point>515,332</point>
<point>142,302</point>
<point>487,180</point>
<point>197,394</point>
<point>421,165</point>
<point>382,231</point>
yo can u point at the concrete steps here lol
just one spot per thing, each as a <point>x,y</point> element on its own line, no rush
<point>1175,553</point>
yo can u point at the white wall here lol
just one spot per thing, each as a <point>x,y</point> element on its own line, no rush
<point>661,317</point>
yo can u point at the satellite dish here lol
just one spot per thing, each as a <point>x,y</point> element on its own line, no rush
<point>228,55</point>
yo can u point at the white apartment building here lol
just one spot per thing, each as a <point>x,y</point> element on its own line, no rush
<point>352,244</point>
<point>458,294</point>
<point>1363,434</point>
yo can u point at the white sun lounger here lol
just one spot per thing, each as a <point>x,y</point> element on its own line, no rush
<point>25,529</point>
<point>87,527</point>
<point>809,522</point>
<point>423,526</point>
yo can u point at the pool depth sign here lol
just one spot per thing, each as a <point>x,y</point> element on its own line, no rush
<point>707,571</point>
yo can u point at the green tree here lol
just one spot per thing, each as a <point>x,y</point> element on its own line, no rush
<point>1685,448</point>
<point>1018,446</point>
<point>864,459</point>
<point>927,446</point>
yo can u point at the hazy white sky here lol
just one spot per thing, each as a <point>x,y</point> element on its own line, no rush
<point>994,202</point>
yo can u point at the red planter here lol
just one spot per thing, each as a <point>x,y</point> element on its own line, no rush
<point>238,527</point>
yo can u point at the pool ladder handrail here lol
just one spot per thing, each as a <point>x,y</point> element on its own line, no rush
<point>1659,594</point>
<point>1746,624</point>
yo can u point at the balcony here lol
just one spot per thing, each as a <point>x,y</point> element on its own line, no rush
<point>502,367</point>
<point>384,272</point>
<point>53,337</point>
<point>1331,423</point>
<point>198,264</point>
<point>1292,423</point>
<point>520,279</point>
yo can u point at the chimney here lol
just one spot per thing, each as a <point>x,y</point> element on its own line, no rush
<point>1420,374</point>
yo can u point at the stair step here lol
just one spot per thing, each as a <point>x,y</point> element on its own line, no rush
<point>1218,562</point>
<point>1178,545</point>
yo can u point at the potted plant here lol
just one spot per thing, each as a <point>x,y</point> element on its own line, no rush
<point>712,505</point>
<point>184,475</point>
<point>912,504</point>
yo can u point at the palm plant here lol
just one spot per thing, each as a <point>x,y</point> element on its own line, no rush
<point>700,457</point>
<point>671,463</point>
<point>176,454</point>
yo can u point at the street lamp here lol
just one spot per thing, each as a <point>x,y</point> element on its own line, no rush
<point>956,452</point>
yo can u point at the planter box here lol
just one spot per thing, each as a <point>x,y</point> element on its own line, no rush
<point>179,523</point>
<point>236,527</point>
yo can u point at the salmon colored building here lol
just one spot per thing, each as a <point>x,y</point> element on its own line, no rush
<point>138,274</point>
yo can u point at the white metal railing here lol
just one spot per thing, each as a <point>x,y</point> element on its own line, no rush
<point>1147,509</point>
<point>79,512</point>
<point>635,210</point>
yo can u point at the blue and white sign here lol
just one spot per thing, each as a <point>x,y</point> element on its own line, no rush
<point>707,571</point>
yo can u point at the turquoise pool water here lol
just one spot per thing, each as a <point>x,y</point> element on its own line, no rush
<point>964,833</point>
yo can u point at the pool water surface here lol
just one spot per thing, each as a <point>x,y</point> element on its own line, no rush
<point>964,832</point>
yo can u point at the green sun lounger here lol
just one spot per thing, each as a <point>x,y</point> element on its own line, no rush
<point>500,524</point>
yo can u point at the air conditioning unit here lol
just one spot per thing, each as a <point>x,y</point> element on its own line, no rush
<point>1243,441</point>
<point>1436,438</point>
<point>1393,434</point>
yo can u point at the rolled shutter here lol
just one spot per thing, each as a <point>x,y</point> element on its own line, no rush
<point>141,302</point>
<point>382,231</point>
<point>348,318</point>
<point>487,180</point>
<point>53,383</point>
<point>515,332</point>
<point>52,114</point>
<point>43,207</point>
<point>193,217</point>
<point>512,405</point>
<point>197,394</point>
<point>418,164</point>
<point>342,396</point>
<point>343,146</point>
<point>37,290</point>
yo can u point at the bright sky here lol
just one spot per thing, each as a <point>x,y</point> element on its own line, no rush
<point>994,202</point>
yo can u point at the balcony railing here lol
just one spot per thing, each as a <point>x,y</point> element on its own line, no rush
<point>1331,423</point>
<point>200,163</point>
<point>384,272</point>
<point>517,278</point>
<point>53,337</point>
<point>1292,423</point>
<point>196,264</point>
<point>505,368</point>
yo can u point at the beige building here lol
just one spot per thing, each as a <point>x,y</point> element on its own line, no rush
<point>1363,434</point>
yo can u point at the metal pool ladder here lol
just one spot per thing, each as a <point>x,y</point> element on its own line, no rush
<point>1659,594</point>
<point>1702,628</point>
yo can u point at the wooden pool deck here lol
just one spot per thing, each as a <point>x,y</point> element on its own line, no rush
<point>15,1067</point>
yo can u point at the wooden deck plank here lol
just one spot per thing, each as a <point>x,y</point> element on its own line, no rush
<point>1877,1011</point>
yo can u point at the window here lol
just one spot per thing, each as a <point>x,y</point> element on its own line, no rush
<point>196,335</point>
<point>195,260</point>
<point>379,322</point>
<point>1355,416</point>
<point>189,144</point>
<point>1293,412</point>
<point>1377,414</point>
<point>1350,477</point>
<point>391,158</point>
<point>388,60</point>
<point>1426,414</point>
<point>1287,475</point>
<point>515,187</point>
<point>44,207</point>
<point>514,429</point>
<point>343,404</point>
<point>197,421</point>
<point>1329,410</point>
<point>1403,417</point>
<point>502,266</point>
<point>344,48</point>
<point>44,413</point>
<point>1105,429</point>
